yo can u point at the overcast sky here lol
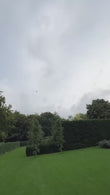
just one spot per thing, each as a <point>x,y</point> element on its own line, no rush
<point>54,54</point>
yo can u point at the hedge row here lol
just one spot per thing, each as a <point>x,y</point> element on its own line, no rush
<point>77,134</point>
<point>23,143</point>
<point>80,134</point>
<point>48,148</point>
<point>6,147</point>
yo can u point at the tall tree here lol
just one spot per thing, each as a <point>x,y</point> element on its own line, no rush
<point>35,135</point>
<point>18,127</point>
<point>5,112</point>
<point>99,109</point>
<point>58,137</point>
<point>47,121</point>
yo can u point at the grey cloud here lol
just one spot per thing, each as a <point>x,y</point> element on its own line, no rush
<point>87,98</point>
<point>56,47</point>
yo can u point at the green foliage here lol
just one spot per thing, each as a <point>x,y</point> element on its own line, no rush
<point>2,111</point>
<point>80,116</point>
<point>58,137</point>
<point>6,147</point>
<point>18,127</point>
<point>3,136</point>
<point>104,143</point>
<point>35,136</point>
<point>47,121</point>
<point>99,109</point>
<point>80,134</point>
<point>23,143</point>
<point>4,114</point>
<point>48,146</point>
<point>13,125</point>
<point>30,151</point>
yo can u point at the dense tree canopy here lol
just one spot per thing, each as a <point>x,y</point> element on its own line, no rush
<point>18,127</point>
<point>5,112</point>
<point>47,121</point>
<point>15,126</point>
<point>80,116</point>
<point>99,109</point>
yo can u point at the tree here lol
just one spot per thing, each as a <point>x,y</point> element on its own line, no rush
<point>58,137</point>
<point>5,112</point>
<point>3,136</point>
<point>80,116</point>
<point>18,127</point>
<point>47,121</point>
<point>35,136</point>
<point>99,109</point>
<point>2,111</point>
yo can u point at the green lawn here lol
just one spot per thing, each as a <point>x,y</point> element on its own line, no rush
<point>78,172</point>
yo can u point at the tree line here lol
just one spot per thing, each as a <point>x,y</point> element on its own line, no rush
<point>36,128</point>
<point>15,126</point>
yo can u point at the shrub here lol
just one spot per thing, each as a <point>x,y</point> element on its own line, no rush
<point>6,147</point>
<point>48,148</point>
<point>23,143</point>
<point>30,151</point>
<point>104,143</point>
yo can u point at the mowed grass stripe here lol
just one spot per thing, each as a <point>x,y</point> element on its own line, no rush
<point>79,172</point>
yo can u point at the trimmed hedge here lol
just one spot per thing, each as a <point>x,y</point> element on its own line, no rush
<point>48,148</point>
<point>80,134</point>
<point>23,143</point>
<point>44,149</point>
<point>77,134</point>
<point>6,147</point>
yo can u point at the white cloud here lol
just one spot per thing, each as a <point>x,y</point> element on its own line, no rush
<point>59,49</point>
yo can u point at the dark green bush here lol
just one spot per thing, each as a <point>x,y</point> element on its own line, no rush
<point>6,147</point>
<point>48,148</point>
<point>23,143</point>
<point>30,151</point>
<point>104,143</point>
